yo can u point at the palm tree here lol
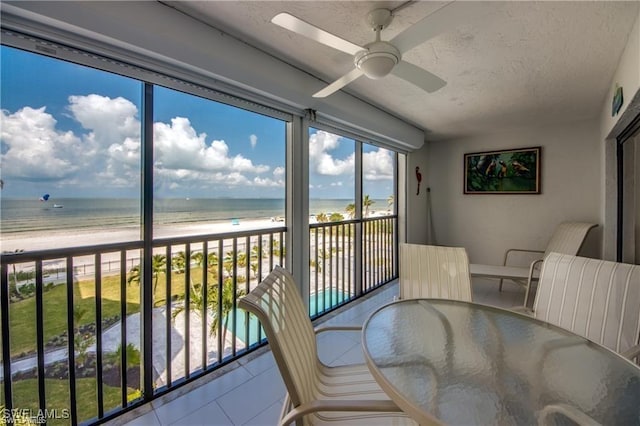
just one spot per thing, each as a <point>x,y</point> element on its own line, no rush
<point>336,217</point>
<point>158,263</point>
<point>323,255</point>
<point>212,262</point>
<point>197,303</point>
<point>179,262</point>
<point>198,259</point>
<point>351,210</point>
<point>13,288</point>
<point>366,203</point>
<point>80,343</point>
<point>242,260</point>
<point>390,201</point>
<point>277,251</point>
<point>322,218</point>
<point>256,256</point>
<point>227,262</point>
<point>133,356</point>
<point>228,299</point>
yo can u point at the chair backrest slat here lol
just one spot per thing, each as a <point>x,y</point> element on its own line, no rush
<point>278,305</point>
<point>597,299</point>
<point>434,271</point>
<point>568,237</point>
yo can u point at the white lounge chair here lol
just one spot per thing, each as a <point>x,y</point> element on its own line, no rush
<point>316,394</point>
<point>597,299</point>
<point>567,238</point>
<point>434,271</point>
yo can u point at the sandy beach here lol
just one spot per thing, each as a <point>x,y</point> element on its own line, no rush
<point>41,240</point>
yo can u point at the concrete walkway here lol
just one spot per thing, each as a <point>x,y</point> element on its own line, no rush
<point>111,339</point>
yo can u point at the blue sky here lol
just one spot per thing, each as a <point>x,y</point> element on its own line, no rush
<point>70,130</point>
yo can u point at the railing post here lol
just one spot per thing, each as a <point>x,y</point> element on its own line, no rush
<point>123,326</point>
<point>6,350</point>
<point>71,341</point>
<point>40,335</point>
<point>99,365</point>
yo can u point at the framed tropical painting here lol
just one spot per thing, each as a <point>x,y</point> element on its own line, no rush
<point>510,171</point>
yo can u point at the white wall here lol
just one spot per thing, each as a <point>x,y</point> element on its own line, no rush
<point>486,225</point>
<point>417,217</point>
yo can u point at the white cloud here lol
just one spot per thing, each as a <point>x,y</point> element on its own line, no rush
<point>321,162</point>
<point>112,145</point>
<point>378,165</point>
<point>268,183</point>
<point>110,121</point>
<point>107,152</point>
<point>35,150</point>
<point>178,146</point>
<point>253,139</point>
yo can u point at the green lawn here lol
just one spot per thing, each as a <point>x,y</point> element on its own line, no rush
<point>57,395</point>
<point>22,317</point>
<point>22,314</point>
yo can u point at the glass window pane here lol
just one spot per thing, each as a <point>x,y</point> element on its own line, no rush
<point>378,181</point>
<point>70,154</point>
<point>331,176</point>
<point>217,168</point>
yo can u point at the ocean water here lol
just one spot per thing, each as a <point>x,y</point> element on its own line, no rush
<point>19,215</point>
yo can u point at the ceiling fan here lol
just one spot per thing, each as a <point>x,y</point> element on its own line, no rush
<point>379,58</point>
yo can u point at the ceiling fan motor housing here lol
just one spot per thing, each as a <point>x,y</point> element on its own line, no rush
<point>378,59</point>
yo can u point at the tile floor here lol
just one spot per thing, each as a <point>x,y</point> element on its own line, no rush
<point>251,392</point>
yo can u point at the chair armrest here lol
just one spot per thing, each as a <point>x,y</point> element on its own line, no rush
<point>364,405</point>
<point>532,268</point>
<point>567,411</point>
<point>506,253</point>
<point>338,328</point>
<point>632,352</point>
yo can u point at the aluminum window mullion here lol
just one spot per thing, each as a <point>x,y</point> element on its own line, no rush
<point>147,238</point>
<point>359,252</point>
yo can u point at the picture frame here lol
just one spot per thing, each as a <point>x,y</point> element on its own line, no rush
<point>509,171</point>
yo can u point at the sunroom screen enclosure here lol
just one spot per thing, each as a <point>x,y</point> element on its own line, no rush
<point>135,214</point>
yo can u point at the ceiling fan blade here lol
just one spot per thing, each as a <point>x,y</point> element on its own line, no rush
<point>339,83</point>
<point>416,75</point>
<point>443,19</point>
<point>297,25</point>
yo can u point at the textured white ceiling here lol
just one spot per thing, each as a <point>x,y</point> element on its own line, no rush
<point>512,64</point>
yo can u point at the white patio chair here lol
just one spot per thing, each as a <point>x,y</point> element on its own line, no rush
<point>597,299</point>
<point>434,271</point>
<point>567,238</point>
<point>316,393</point>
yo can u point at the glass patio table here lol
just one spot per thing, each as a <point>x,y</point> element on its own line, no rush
<point>461,363</point>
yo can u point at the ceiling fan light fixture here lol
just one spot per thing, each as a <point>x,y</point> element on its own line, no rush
<point>378,60</point>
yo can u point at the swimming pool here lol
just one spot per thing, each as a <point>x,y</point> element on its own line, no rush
<point>318,303</point>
